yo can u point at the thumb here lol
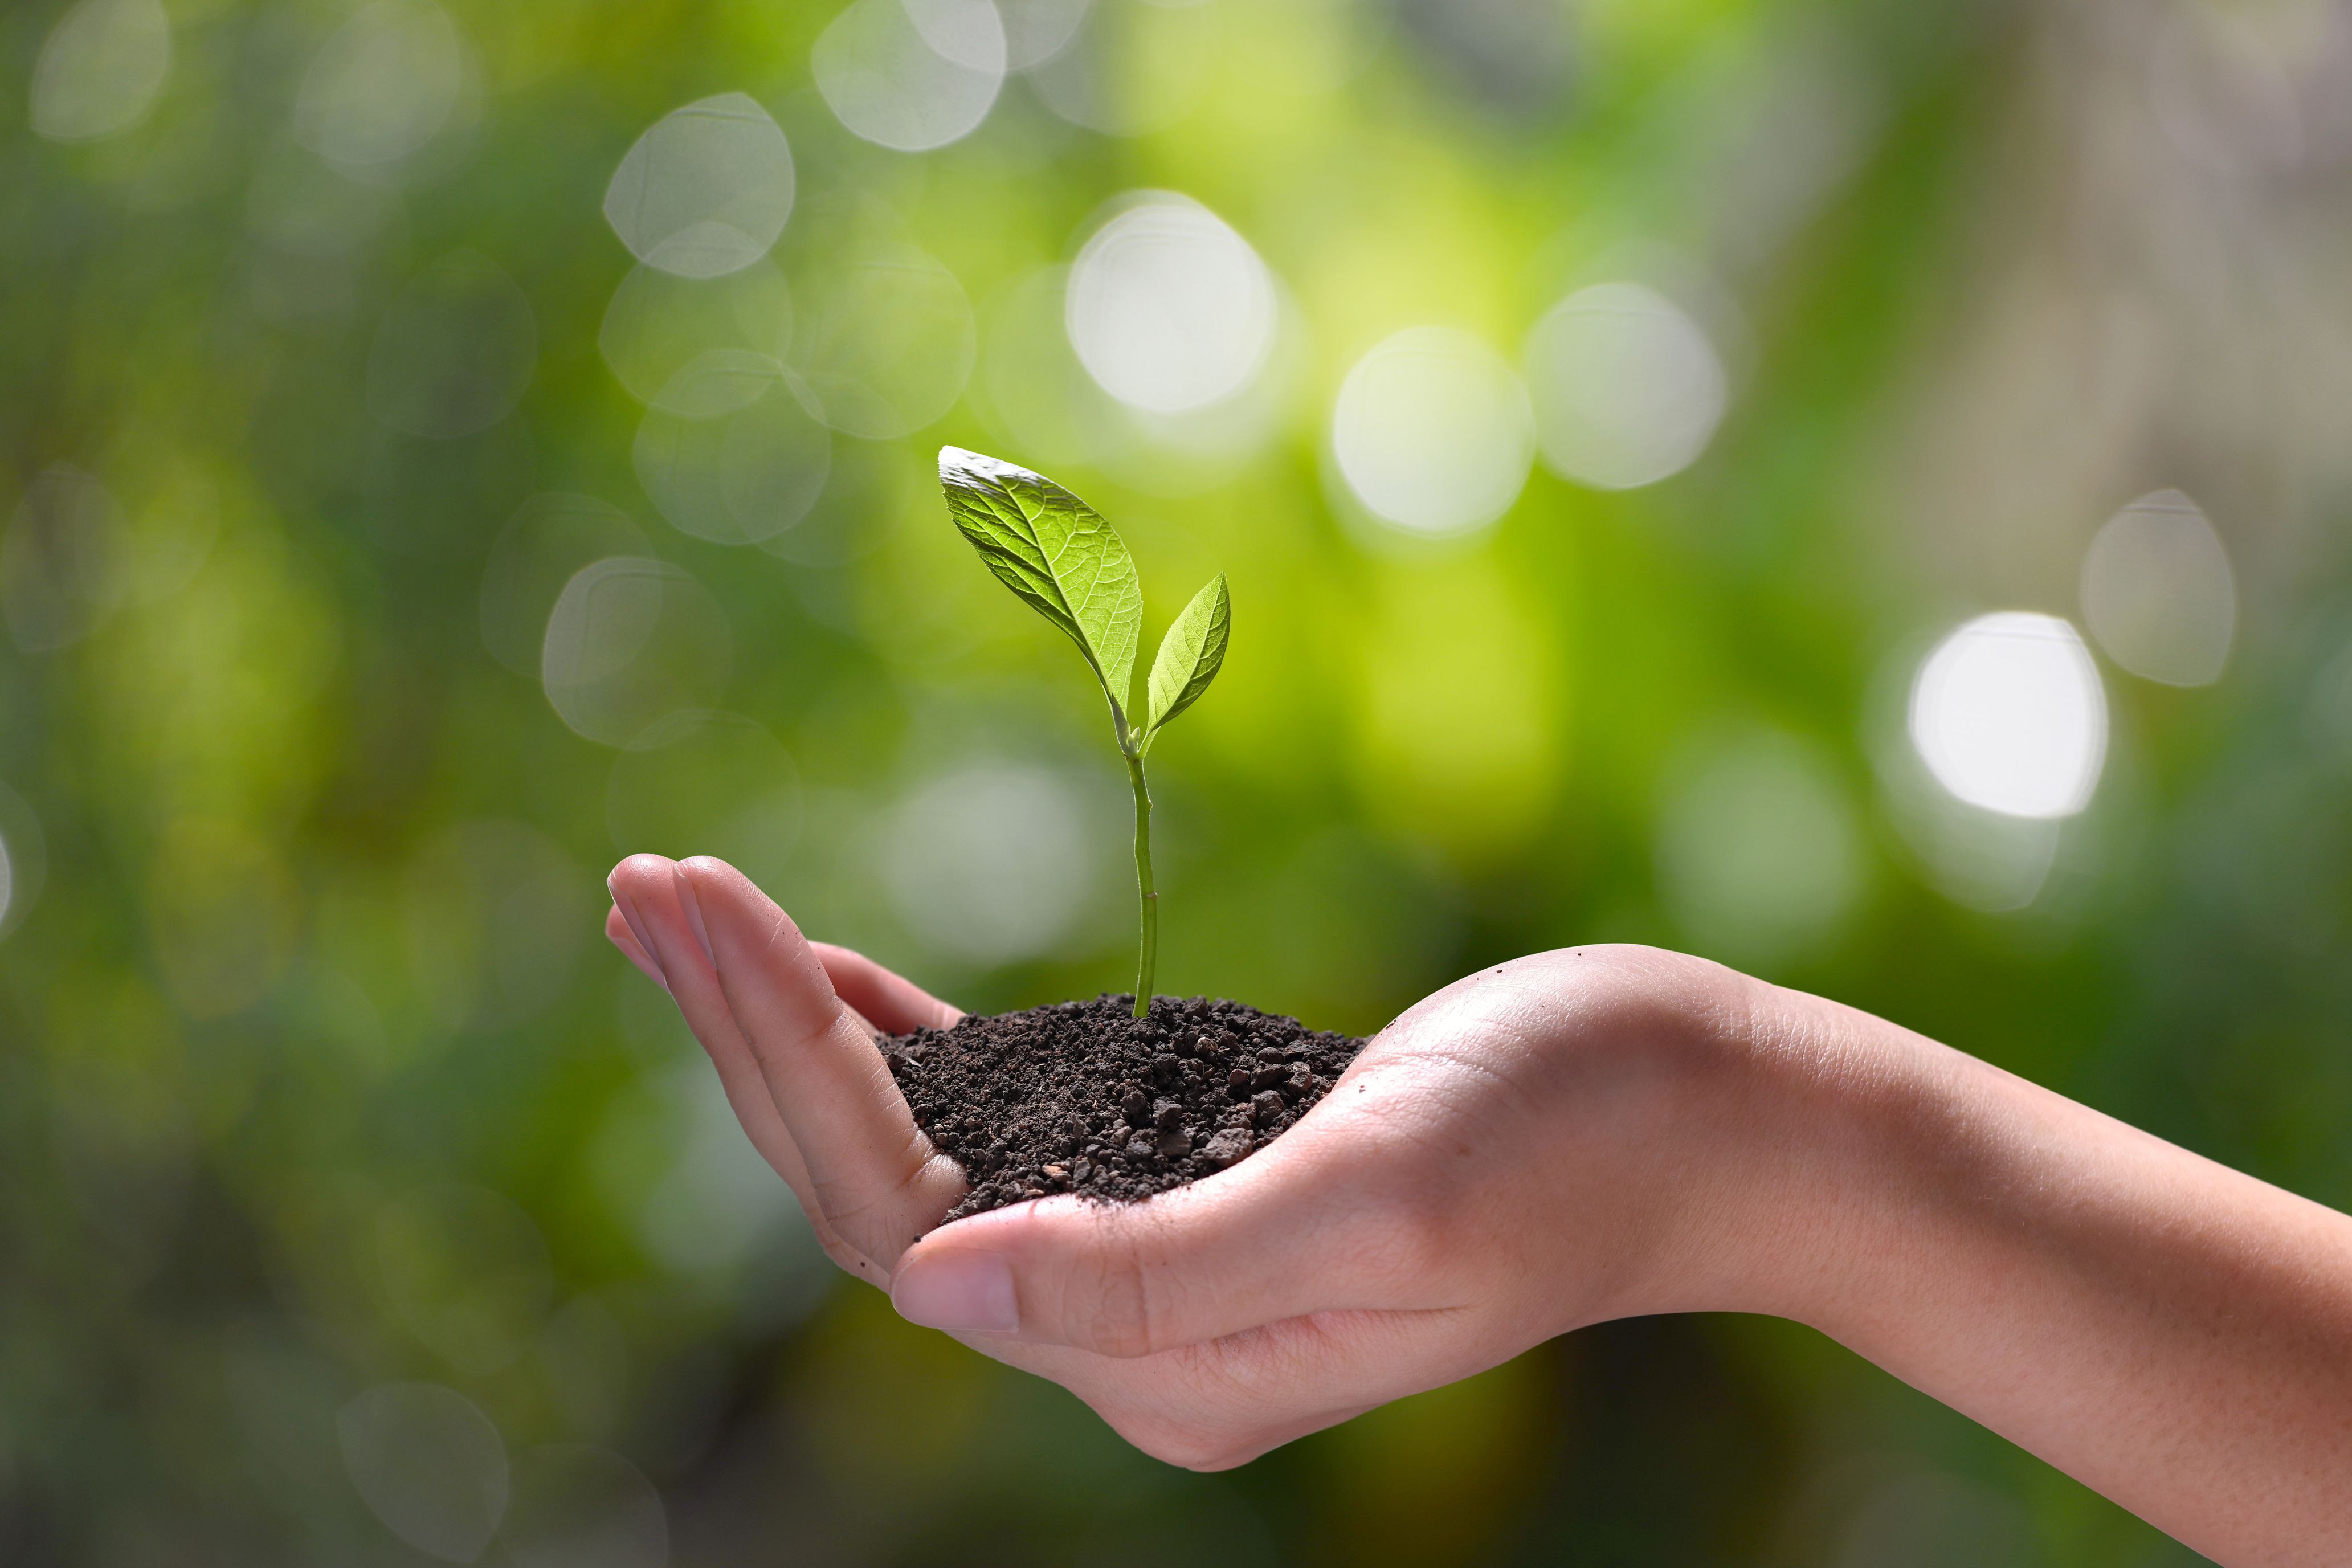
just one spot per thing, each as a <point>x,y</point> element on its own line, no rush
<point>1307,1224</point>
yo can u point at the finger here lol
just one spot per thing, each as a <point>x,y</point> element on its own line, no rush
<point>895,1004</point>
<point>645,896</point>
<point>617,931</point>
<point>877,1176</point>
<point>1318,1222</point>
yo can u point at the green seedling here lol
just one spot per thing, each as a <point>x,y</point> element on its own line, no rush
<point>1059,555</point>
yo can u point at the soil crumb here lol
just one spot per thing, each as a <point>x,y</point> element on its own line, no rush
<point>1082,1097</point>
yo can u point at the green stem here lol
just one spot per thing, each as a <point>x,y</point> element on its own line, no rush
<point>1148,960</point>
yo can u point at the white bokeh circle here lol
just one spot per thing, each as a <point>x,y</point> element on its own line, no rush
<point>1132,67</point>
<point>990,863</point>
<point>1626,387</point>
<point>887,341</point>
<point>100,69</point>
<point>1169,309</point>
<point>393,80</point>
<point>549,538</point>
<point>2157,592</point>
<point>1037,31</point>
<point>705,191</point>
<point>631,641</point>
<point>2009,715</point>
<point>741,474</point>
<point>658,324</point>
<point>1432,432</point>
<point>911,74</point>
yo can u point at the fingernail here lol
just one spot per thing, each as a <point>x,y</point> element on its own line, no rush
<point>694,917</point>
<point>963,1292</point>
<point>637,929</point>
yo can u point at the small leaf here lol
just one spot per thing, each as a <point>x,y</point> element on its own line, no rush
<point>1057,552</point>
<point>1190,655</point>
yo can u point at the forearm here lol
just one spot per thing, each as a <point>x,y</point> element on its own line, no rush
<point>2175,1334</point>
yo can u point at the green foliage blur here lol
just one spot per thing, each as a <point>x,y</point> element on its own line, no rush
<point>386,556</point>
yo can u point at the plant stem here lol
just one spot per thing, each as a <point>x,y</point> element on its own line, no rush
<point>1148,959</point>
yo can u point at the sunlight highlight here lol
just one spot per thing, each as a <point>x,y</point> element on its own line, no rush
<point>2157,592</point>
<point>2009,715</point>
<point>629,642</point>
<point>659,325</point>
<point>991,865</point>
<point>1626,387</point>
<point>911,74</point>
<point>705,191</point>
<point>387,85</point>
<point>102,69</point>
<point>1168,308</point>
<point>1433,433</point>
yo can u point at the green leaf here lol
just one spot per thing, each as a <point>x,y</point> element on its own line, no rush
<point>1190,655</point>
<point>1057,552</point>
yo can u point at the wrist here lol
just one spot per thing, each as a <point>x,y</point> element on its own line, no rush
<point>1798,1125</point>
<point>1858,1144</point>
<point>1672,1116</point>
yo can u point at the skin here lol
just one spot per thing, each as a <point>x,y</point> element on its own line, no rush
<point>1571,1137</point>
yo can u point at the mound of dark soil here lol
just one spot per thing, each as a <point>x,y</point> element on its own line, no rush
<point>1083,1098</point>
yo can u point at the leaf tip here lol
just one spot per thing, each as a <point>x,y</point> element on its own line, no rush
<point>958,466</point>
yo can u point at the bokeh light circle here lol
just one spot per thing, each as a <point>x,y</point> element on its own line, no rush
<point>700,1200</point>
<point>719,381</point>
<point>2157,592</point>
<point>629,642</point>
<point>705,191</point>
<point>887,342</point>
<point>658,324</point>
<point>1627,389</point>
<point>716,382</point>
<point>1758,856</point>
<point>100,69</point>
<point>428,1464</point>
<point>990,863</point>
<point>869,495</point>
<point>24,859</point>
<point>751,470</point>
<point>2009,715</point>
<point>549,538</point>
<point>388,84</point>
<point>1132,67</point>
<point>1432,432</point>
<point>1168,308</point>
<point>911,74</point>
<point>1037,30</point>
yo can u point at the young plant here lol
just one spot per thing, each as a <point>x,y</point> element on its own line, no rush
<point>1058,555</point>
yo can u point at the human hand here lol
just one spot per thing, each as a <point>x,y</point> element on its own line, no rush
<point>1583,1134</point>
<point>1530,1149</point>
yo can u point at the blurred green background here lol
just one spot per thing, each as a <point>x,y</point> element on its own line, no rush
<point>433,466</point>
